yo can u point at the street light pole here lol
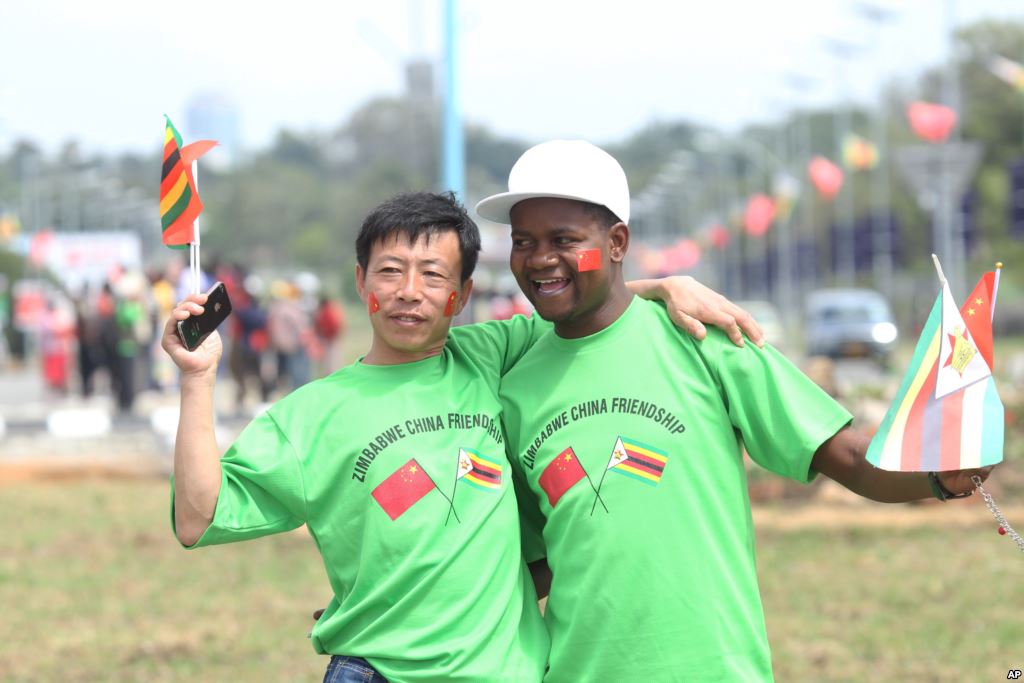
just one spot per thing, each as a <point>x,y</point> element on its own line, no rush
<point>846,260</point>
<point>453,152</point>
<point>879,14</point>
<point>950,222</point>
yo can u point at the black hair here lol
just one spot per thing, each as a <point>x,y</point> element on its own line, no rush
<point>604,216</point>
<point>420,213</point>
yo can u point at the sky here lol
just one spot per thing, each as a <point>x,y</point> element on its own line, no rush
<point>104,72</point>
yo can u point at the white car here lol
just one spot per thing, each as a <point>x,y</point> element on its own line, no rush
<point>850,323</point>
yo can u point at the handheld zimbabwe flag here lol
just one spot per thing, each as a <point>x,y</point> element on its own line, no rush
<point>947,414</point>
<point>478,470</point>
<point>403,489</point>
<point>179,200</point>
<point>560,475</point>
<point>638,461</point>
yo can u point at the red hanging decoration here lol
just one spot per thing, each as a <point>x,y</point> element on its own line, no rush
<point>931,122</point>
<point>759,214</point>
<point>682,255</point>
<point>826,177</point>
<point>651,260</point>
<point>718,236</point>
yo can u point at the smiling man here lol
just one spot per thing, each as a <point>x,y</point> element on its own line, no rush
<point>626,440</point>
<point>395,464</point>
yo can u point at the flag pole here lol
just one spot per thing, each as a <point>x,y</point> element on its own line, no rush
<point>938,269</point>
<point>995,287</point>
<point>591,482</point>
<point>451,507</point>
<point>196,272</point>
<point>597,494</point>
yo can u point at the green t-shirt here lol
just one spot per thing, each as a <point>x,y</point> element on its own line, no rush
<point>655,579</point>
<point>428,579</point>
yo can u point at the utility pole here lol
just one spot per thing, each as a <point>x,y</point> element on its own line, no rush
<point>846,262</point>
<point>879,14</point>
<point>950,218</point>
<point>453,150</point>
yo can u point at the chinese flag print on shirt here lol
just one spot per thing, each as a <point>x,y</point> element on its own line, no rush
<point>403,489</point>
<point>560,475</point>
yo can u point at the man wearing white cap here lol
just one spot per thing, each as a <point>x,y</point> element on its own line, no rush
<point>626,442</point>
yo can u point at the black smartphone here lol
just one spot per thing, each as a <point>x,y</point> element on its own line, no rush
<point>194,329</point>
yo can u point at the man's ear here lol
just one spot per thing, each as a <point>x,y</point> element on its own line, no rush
<point>361,282</point>
<point>618,242</point>
<point>467,289</point>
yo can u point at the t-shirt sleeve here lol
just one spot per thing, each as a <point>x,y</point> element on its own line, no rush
<point>261,490</point>
<point>782,416</point>
<point>531,521</point>
<point>500,343</point>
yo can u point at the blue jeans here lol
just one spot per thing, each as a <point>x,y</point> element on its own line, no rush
<point>351,670</point>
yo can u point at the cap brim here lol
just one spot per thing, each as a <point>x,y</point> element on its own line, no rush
<point>498,207</point>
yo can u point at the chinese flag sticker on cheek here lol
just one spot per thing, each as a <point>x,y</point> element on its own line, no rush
<point>588,259</point>
<point>372,303</point>
<point>450,307</point>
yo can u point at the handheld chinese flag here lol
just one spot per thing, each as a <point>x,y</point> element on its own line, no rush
<point>947,414</point>
<point>560,475</point>
<point>180,205</point>
<point>403,489</point>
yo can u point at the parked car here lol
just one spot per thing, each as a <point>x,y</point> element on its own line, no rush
<point>850,323</point>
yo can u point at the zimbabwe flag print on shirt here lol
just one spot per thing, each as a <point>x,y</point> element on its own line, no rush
<point>638,461</point>
<point>478,470</point>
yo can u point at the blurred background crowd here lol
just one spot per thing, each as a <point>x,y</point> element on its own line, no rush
<point>105,336</point>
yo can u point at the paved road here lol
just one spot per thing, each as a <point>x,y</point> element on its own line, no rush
<point>36,424</point>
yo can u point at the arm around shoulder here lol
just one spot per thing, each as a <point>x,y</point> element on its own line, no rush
<point>690,304</point>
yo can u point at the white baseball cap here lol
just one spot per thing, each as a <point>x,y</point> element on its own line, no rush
<point>566,169</point>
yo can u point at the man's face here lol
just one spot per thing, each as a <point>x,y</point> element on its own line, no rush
<point>547,234</point>
<point>413,284</point>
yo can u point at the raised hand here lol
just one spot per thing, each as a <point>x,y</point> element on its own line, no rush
<point>201,362</point>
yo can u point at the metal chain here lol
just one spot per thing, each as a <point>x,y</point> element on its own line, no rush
<point>997,513</point>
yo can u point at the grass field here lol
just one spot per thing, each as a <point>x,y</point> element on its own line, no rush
<point>93,587</point>
<point>880,605</point>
